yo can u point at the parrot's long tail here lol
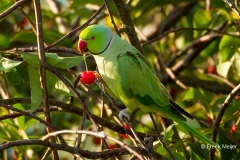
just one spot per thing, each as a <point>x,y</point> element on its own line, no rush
<point>194,132</point>
<point>179,109</point>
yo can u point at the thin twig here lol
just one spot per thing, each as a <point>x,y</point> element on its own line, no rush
<point>71,109</point>
<point>161,61</point>
<point>66,51</point>
<point>12,8</point>
<point>167,69</point>
<point>99,135</point>
<point>137,137</point>
<point>199,149</point>
<point>78,28</point>
<point>43,80</point>
<point>65,81</point>
<point>47,153</point>
<point>79,137</point>
<point>85,153</point>
<point>224,107</point>
<point>29,21</point>
<point>124,13</point>
<point>102,86</point>
<point>183,29</point>
<point>111,17</point>
<point>233,7</point>
<point>184,63</point>
<point>159,138</point>
<point>27,114</point>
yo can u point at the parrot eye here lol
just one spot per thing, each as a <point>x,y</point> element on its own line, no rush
<point>92,38</point>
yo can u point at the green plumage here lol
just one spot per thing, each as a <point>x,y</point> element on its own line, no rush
<point>131,77</point>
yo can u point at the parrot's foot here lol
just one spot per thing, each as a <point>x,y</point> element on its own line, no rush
<point>124,113</point>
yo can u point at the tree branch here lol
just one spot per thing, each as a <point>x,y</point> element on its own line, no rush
<point>12,8</point>
<point>124,13</point>
<point>78,28</point>
<point>226,103</point>
<point>233,7</point>
<point>73,150</point>
<point>60,106</point>
<point>43,81</point>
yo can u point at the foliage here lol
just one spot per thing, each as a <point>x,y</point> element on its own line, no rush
<point>197,41</point>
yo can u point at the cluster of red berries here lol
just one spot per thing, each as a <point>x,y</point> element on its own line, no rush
<point>124,135</point>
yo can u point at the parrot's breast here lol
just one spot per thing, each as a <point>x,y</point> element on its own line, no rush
<point>108,69</point>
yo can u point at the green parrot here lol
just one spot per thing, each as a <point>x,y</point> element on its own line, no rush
<point>131,77</point>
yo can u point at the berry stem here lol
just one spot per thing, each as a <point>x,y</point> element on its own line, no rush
<point>84,59</point>
<point>238,120</point>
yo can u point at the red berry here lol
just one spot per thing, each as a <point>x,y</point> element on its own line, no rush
<point>23,22</point>
<point>209,119</point>
<point>211,69</point>
<point>123,136</point>
<point>127,126</point>
<point>97,140</point>
<point>234,128</point>
<point>237,97</point>
<point>112,146</point>
<point>88,77</point>
<point>173,92</point>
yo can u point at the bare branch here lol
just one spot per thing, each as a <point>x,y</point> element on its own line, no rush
<point>99,135</point>
<point>78,28</point>
<point>233,7</point>
<point>43,81</point>
<point>226,103</point>
<point>124,13</point>
<point>60,106</point>
<point>12,8</point>
<point>88,154</point>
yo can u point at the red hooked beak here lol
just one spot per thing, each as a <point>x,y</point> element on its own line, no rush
<point>81,45</point>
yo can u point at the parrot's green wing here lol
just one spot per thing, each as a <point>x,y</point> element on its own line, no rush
<point>143,84</point>
<point>139,81</point>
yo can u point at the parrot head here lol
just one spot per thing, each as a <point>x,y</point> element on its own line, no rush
<point>95,38</point>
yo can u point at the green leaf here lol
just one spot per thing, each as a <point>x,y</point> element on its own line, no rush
<point>196,93</point>
<point>35,86</point>
<point>21,37</point>
<point>168,133</point>
<point>236,63</point>
<point>223,68</point>
<point>58,84</point>
<point>21,119</point>
<point>8,63</point>
<point>5,4</point>
<point>31,58</point>
<point>201,20</point>
<point>178,156</point>
<point>196,154</point>
<point>193,123</point>
<point>3,136</point>
<point>68,62</point>
<point>23,72</point>
<point>13,76</point>
<point>31,122</point>
<point>5,42</point>
<point>228,47</point>
<point>53,59</point>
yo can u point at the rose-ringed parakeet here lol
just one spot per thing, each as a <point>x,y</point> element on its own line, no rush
<point>130,76</point>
